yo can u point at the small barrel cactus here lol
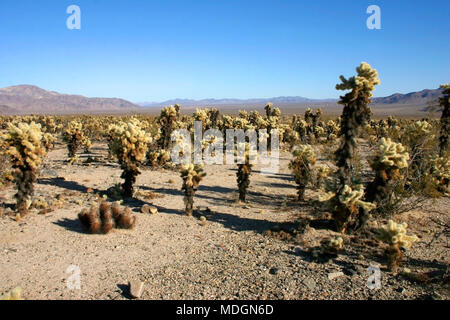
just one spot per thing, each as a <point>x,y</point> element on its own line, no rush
<point>191,175</point>
<point>395,236</point>
<point>304,157</point>
<point>103,217</point>
<point>25,149</point>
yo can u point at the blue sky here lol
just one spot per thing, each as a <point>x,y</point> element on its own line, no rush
<point>144,50</point>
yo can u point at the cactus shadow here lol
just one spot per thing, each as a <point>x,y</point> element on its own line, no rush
<point>71,225</point>
<point>65,184</point>
<point>240,224</point>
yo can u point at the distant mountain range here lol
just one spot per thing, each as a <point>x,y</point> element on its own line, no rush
<point>229,102</point>
<point>26,99</point>
<point>416,98</point>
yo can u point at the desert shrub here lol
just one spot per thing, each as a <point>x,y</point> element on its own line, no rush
<point>395,236</point>
<point>25,150</point>
<point>130,147</point>
<point>103,217</point>
<point>304,158</point>
<point>191,175</point>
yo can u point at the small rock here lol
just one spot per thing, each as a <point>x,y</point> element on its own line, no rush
<point>334,275</point>
<point>136,287</point>
<point>149,209</point>
<point>274,271</point>
<point>310,283</point>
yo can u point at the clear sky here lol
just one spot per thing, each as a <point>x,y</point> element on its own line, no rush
<point>145,50</point>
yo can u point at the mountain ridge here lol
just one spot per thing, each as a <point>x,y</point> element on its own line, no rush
<point>25,99</point>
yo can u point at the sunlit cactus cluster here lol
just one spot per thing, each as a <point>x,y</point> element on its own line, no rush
<point>26,152</point>
<point>167,121</point>
<point>304,158</point>
<point>390,158</point>
<point>192,175</point>
<point>244,168</point>
<point>74,137</point>
<point>395,236</point>
<point>130,147</point>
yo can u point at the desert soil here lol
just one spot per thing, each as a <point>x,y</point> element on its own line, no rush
<point>234,255</point>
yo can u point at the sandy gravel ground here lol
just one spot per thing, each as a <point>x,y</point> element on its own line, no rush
<point>231,257</point>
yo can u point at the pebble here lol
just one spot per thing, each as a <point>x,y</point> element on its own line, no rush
<point>310,283</point>
<point>136,288</point>
<point>274,271</point>
<point>334,275</point>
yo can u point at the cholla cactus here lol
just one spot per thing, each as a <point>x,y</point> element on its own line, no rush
<point>332,246</point>
<point>418,137</point>
<point>332,130</point>
<point>48,141</point>
<point>86,143</point>
<point>191,175</point>
<point>312,119</point>
<point>355,114</point>
<point>103,217</point>
<point>445,120</point>
<point>244,170</point>
<point>304,157</point>
<point>73,136</point>
<point>208,117</point>
<point>390,158</point>
<point>157,159</point>
<point>395,236</point>
<point>321,173</point>
<point>347,206</point>
<point>24,143</point>
<point>130,147</point>
<point>440,172</point>
<point>168,123</point>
